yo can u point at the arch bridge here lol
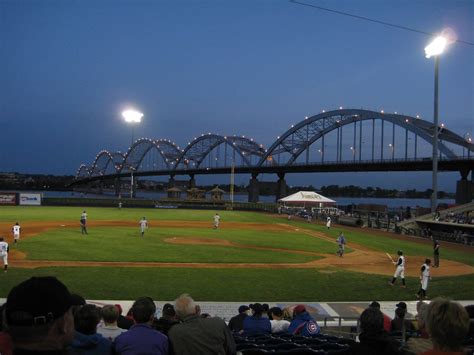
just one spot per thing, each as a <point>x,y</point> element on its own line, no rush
<point>338,140</point>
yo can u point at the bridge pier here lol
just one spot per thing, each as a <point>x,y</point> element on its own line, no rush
<point>465,188</point>
<point>117,187</point>
<point>192,181</point>
<point>282,188</point>
<point>171,182</point>
<point>254,189</point>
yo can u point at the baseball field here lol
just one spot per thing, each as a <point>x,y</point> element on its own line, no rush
<point>251,256</point>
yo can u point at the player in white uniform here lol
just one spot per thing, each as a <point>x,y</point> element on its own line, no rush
<point>83,222</point>
<point>16,232</point>
<point>217,219</point>
<point>400,270</point>
<point>328,223</point>
<point>424,278</point>
<point>4,253</point>
<point>143,225</point>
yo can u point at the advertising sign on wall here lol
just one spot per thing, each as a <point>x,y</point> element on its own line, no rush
<point>30,199</point>
<point>7,198</point>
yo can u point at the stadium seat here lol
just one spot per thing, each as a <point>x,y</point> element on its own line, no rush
<point>255,352</point>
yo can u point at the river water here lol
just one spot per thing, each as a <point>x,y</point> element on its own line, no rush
<point>340,201</point>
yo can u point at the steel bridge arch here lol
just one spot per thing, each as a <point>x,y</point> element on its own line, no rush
<point>201,146</point>
<point>102,161</point>
<point>312,128</point>
<point>83,171</point>
<point>168,150</point>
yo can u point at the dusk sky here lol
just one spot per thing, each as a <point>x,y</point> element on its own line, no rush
<point>247,67</point>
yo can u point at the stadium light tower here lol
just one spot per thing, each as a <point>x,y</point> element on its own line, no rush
<point>132,117</point>
<point>435,49</point>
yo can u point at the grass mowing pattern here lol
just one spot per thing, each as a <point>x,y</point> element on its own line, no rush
<point>292,285</point>
<point>125,244</point>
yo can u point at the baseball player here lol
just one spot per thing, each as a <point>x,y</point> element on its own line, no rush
<point>424,278</point>
<point>436,247</point>
<point>217,219</point>
<point>143,225</point>
<point>83,222</point>
<point>400,270</point>
<point>4,253</point>
<point>16,232</point>
<point>341,241</point>
<point>328,223</point>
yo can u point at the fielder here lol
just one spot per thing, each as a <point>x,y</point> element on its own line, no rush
<point>217,219</point>
<point>143,225</point>
<point>424,278</point>
<point>16,232</point>
<point>328,223</point>
<point>341,241</point>
<point>400,270</point>
<point>4,253</point>
<point>83,222</point>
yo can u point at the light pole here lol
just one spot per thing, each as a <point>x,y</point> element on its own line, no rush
<point>434,49</point>
<point>392,149</point>
<point>132,117</point>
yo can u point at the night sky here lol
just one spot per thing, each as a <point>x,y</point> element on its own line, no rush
<point>253,68</point>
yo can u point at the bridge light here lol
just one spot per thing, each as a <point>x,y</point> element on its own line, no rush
<point>278,137</point>
<point>381,111</point>
<point>292,125</point>
<point>406,120</point>
<point>324,111</point>
<point>305,117</point>
<point>417,116</point>
<point>395,112</point>
<point>340,107</point>
<point>442,125</point>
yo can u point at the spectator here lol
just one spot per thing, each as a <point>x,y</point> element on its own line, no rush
<point>399,323</point>
<point>123,322</point>
<point>236,323</point>
<point>167,320</point>
<point>110,330</point>
<point>416,345</point>
<point>470,311</point>
<point>6,345</point>
<point>373,340</point>
<point>279,325</point>
<point>39,317</point>
<point>142,338</point>
<point>256,324</point>
<point>196,335</point>
<point>448,325</point>
<point>302,323</point>
<point>387,321</point>
<point>87,341</point>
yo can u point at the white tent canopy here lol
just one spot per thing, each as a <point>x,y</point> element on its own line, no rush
<point>307,198</point>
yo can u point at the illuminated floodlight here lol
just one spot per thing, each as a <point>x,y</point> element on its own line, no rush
<point>436,47</point>
<point>132,116</point>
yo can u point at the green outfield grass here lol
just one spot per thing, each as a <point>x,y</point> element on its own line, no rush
<point>238,284</point>
<point>125,244</point>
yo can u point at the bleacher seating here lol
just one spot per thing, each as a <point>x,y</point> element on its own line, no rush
<point>292,344</point>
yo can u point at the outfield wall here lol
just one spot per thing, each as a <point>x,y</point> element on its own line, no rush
<point>162,203</point>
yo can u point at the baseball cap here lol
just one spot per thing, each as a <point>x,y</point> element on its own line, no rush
<point>168,310</point>
<point>243,308</point>
<point>299,309</point>
<point>37,301</point>
<point>401,305</point>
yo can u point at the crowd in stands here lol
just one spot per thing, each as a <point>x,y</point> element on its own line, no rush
<point>451,217</point>
<point>42,317</point>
